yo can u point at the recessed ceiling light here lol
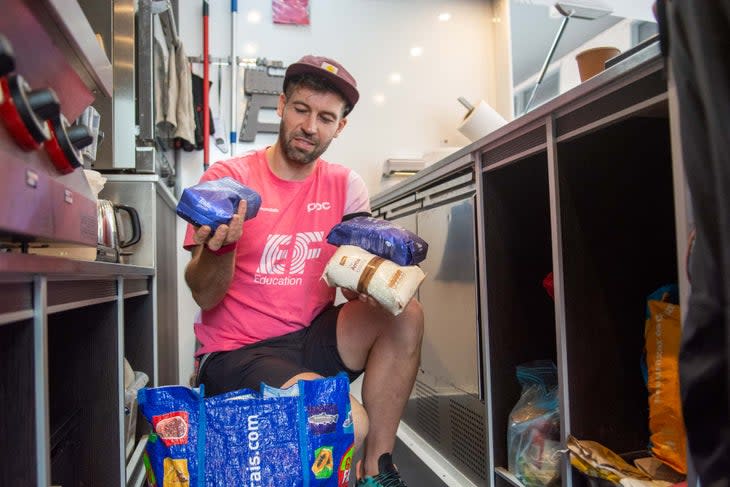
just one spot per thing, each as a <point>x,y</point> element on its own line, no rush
<point>444,17</point>
<point>379,98</point>
<point>395,78</point>
<point>416,51</point>
<point>250,48</point>
<point>254,16</point>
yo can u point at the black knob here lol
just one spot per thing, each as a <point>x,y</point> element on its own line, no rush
<point>80,136</point>
<point>44,103</point>
<point>7,58</point>
<point>25,102</point>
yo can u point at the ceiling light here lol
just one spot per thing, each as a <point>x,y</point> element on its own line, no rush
<point>416,51</point>
<point>379,98</point>
<point>250,48</point>
<point>254,17</point>
<point>395,78</point>
<point>444,17</point>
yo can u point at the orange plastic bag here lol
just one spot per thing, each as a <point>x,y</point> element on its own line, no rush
<point>662,336</point>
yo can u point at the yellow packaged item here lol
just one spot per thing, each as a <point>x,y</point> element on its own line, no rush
<point>595,460</point>
<point>176,473</point>
<point>662,336</point>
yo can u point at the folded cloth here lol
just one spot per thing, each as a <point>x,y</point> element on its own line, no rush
<point>214,203</point>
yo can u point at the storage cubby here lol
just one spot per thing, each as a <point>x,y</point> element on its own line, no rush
<point>17,403</point>
<point>618,245</point>
<point>62,424</point>
<point>138,335</point>
<point>520,313</point>
<point>139,352</point>
<point>83,382</point>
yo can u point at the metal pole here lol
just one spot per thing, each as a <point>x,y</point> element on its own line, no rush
<point>234,76</point>
<point>206,82</point>
<point>547,61</point>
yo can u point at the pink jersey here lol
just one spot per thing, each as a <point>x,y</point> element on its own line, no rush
<point>277,286</point>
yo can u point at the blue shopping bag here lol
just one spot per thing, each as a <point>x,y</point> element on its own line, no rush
<point>300,436</point>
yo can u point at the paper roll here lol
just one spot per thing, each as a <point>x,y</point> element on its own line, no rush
<point>482,120</point>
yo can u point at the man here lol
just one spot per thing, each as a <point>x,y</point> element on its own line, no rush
<point>266,314</point>
<point>696,36</point>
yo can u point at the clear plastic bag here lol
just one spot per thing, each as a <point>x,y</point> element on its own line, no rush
<point>533,436</point>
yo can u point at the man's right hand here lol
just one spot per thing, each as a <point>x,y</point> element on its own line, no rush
<point>224,234</point>
<point>208,275</point>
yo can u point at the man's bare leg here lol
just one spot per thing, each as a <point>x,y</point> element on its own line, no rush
<point>388,348</point>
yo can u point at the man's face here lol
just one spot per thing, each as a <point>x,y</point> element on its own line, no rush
<point>309,121</point>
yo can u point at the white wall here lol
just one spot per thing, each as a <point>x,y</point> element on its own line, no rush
<point>466,56</point>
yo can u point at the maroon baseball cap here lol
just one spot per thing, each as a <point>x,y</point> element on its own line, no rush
<point>328,69</point>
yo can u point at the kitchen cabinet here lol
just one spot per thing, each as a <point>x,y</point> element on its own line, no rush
<point>65,325</point>
<point>446,405</point>
<point>589,187</point>
<point>64,329</point>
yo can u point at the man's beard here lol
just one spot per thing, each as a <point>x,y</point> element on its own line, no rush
<point>301,156</point>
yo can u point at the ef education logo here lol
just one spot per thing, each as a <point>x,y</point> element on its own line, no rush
<point>284,257</point>
<point>325,205</point>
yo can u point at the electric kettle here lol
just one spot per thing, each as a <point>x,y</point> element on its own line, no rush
<point>109,242</point>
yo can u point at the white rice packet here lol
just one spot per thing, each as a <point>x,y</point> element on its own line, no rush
<point>388,283</point>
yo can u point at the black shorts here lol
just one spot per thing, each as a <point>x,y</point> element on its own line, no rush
<point>276,360</point>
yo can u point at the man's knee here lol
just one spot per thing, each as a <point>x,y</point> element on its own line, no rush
<point>409,324</point>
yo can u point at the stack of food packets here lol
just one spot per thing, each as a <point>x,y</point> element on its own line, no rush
<point>377,258</point>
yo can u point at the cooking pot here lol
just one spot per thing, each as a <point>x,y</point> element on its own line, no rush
<point>110,222</point>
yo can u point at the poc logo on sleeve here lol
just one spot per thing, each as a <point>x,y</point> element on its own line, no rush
<point>325,205</point>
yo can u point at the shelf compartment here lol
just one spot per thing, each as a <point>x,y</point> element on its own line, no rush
<point>139,335</point>
<point>83,380</point>
<point>618,246</point>
<point>520,313</point>
<point>17,403</point>
<point>505,478</point>
<point>66,295</point>
<point>136,287</point>
<point>16,301</point>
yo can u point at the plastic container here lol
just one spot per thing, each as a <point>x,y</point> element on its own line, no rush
<point>130,409</point>
<point>593,61</point>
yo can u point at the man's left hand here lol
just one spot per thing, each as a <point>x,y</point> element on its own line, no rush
<point>352,295</point>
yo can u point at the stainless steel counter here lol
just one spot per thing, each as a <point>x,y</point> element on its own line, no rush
<point>54,267</point>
